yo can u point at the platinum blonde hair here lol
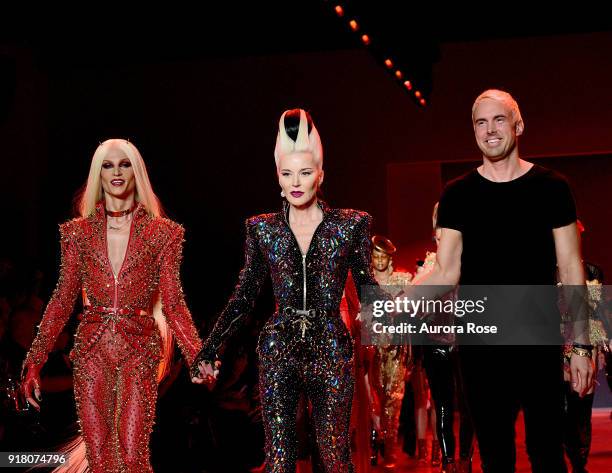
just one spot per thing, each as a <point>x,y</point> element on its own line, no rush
<point>503,97</point>
<point>93,192</point>
<point>304,143</point>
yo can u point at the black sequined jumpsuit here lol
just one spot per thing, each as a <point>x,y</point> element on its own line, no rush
<point>304,346</point>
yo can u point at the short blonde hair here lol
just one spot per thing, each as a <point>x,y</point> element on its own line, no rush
<point>500,96</point>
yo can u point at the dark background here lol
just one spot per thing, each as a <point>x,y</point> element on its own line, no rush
<point>200,92</point>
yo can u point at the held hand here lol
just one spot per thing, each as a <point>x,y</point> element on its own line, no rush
<point>31,384</point>
<point>208,373</point>
<point>581,370</point>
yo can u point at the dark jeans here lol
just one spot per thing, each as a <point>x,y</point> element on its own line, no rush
<point>498,382</point>
<point>577,428</point>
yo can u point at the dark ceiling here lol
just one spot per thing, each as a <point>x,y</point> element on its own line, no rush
<point>411,33</point>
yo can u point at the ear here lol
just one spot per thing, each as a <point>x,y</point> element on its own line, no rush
<point>321,176</point>
<point>519,127</point>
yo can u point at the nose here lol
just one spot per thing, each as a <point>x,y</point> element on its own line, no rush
<point>296,180</point>
<point>491,127</point>
<point>117,171</point>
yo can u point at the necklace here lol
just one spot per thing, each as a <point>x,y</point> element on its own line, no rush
<point>120,226</point>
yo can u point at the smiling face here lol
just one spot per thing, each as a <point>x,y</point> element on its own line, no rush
<point>495,129</point>
<point>299,178</point>
<point>117,174</point>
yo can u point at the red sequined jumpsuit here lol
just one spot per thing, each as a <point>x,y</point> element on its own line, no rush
<point>117,344</point>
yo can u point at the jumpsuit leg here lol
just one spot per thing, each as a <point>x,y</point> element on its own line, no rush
<point>94,378</point>
<point>279,392</point>
<point>392,381</point>
<point>329,382</point>
<point>136,398</point>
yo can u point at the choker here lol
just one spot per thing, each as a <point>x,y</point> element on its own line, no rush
<point>120,213</point>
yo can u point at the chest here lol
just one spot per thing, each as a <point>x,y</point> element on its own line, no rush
<point>121,253</point>
<point>325,247</point>
<point>117,242</point>
<point>303,234</point>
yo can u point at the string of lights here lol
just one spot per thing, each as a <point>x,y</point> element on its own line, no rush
<point>400,75</point>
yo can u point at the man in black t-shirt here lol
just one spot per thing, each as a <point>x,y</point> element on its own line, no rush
<point>493,219</point>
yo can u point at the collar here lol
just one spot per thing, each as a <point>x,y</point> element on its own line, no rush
<point>321,203</point>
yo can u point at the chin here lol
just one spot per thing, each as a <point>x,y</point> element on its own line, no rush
<point>495,157</point>
<point>299,202</point>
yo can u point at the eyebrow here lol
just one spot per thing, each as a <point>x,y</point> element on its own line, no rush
<point>303,169</point>
<point>482,119</point>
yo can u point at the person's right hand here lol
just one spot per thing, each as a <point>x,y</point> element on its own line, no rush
<point>208,373</point>
<point>30,385</point>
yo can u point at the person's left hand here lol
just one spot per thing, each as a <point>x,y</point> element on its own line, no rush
<point>581,371</point>
<point>208,373</point>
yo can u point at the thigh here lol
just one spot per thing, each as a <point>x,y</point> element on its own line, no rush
<point>279,388</point>
<point>542,401</point>
<point>94,379</point>
<point>490,379</point>
<point>136,399</point>
<point>329,384</point>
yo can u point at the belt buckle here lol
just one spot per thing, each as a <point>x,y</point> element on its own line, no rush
<point>112,318</point>
<point>305,319</point>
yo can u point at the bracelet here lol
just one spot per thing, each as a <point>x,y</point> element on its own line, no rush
<point>581,352</point>
<point>584,347</point>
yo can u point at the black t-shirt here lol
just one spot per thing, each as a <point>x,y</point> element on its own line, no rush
<point>507,227</point>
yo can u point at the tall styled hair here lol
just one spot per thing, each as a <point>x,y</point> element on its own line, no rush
<point>503,97</point>
<point>298,134</point>
<point>93,193</point>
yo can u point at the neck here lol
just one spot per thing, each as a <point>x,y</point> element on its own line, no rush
<point>504,170</point>
<point>303,214</point>
<point>382,276</point>
<point>117,204</point>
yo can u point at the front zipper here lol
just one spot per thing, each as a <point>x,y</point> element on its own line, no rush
<point>116,276</point>
<point>114,304</point>
<point>304,273</point>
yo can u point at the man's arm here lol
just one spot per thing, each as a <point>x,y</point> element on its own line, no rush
<point>571,274</point>
<point>569,258</point>
<point>447,269</point>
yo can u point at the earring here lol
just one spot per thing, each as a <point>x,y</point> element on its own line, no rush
<point>282,193</point>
